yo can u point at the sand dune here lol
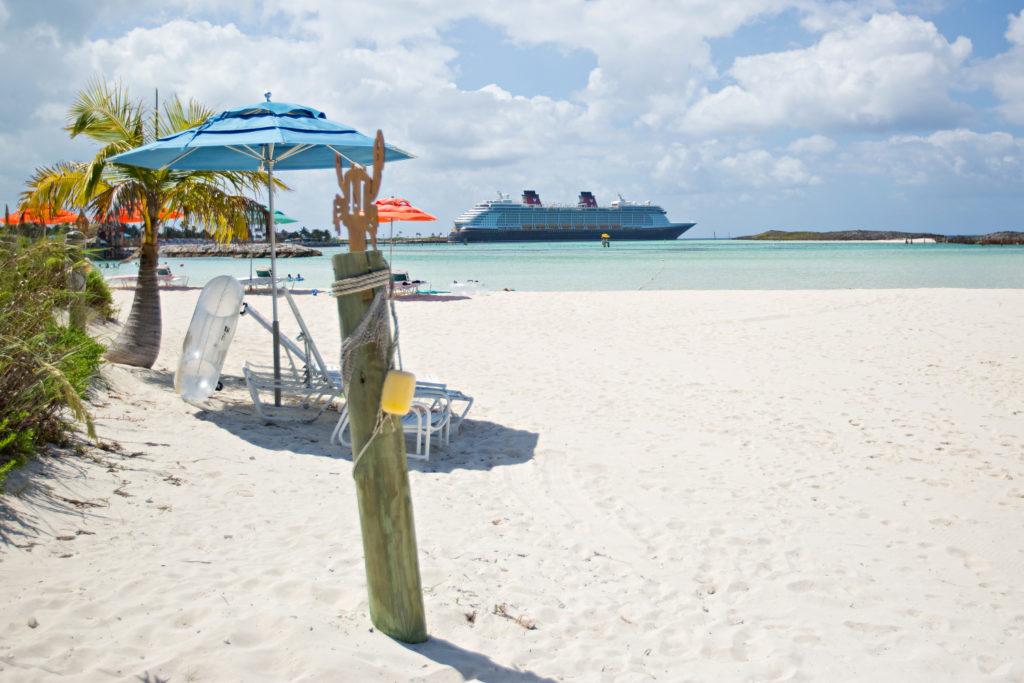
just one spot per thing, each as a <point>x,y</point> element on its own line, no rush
<point>816,485</point>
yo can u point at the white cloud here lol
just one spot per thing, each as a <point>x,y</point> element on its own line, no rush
<point>813,145</point>
<point>891,72</point>
<point>1015,32</point>
<point>715,166</point>
<point>222,66</point>
<point>952,162</point>
<point>652,56</point>
<point>1005,73</point>
<point>831,16</point>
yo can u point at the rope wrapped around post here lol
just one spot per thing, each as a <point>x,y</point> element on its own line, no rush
<point>359,283</point>
<point>372,329</point>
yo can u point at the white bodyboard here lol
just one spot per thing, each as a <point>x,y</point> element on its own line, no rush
<point>208,338</point>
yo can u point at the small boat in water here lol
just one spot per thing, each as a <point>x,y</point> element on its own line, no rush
<point>164,278</point>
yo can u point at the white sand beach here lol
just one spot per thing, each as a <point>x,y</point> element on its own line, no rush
<point>684,485</point>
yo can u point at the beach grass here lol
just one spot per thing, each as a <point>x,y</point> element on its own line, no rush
<point>46,364</point>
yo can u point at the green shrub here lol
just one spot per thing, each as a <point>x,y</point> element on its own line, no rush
<point>45,365</point>
<point>97,294</point>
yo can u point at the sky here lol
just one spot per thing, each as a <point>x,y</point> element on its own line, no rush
<point>739,115</point>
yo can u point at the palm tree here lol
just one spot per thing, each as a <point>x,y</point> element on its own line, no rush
<point>213,200</point>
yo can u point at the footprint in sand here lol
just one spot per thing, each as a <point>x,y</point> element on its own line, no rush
<point>803,586</point>
<point>971,561</point>
<point>931,622</point>
<point>871,629</point>
<point>992,666</point>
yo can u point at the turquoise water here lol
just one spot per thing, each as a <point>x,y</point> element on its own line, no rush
<point>679,264</point>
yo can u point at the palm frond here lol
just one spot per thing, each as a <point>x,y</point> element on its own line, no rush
<point>107,114</point>
<point>176,116</point>
<point>127,195</point>
<point>225,216</point>
<point>59,185</point>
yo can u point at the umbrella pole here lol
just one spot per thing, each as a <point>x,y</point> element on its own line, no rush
<point>275,327</point>
<point>391,259</point>
<point>391,285</point>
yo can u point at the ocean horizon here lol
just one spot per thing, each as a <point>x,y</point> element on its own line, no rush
<point>698,264</point>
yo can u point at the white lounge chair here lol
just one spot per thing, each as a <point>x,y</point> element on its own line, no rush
<point>423,422</point>
<point>307,385</point>
<point>303,398</point>
<point>264,280</point>
<point>431,415</point>
<point>451,396</point>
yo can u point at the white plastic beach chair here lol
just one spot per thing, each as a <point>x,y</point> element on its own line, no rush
<point>432,415</point>
<point>304,397</point>
<point>429,416</point>
<point>432,389</point>
<point>307,386</point>
<point>264,281</point>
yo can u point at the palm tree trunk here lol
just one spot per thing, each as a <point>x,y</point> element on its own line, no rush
<point>139,341</point>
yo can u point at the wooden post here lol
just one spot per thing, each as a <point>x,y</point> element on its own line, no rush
<point>381,475</point>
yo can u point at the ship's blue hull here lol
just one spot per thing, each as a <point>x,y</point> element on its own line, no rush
<point>467,235</point>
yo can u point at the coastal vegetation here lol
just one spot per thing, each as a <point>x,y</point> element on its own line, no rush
<point>46,362</point>
<point>218,202</point>
<point>870,235</point>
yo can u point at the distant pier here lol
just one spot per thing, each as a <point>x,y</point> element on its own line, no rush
<point>238,250</point>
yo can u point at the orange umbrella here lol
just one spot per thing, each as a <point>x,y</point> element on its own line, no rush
<point>133,216</point>
<point>395,209</point>
<point>392,209</point>
<point>44,215</point>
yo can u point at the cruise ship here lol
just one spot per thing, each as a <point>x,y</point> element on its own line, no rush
<point>505,220</point>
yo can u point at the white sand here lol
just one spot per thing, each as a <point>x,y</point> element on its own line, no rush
<point>713,486</point>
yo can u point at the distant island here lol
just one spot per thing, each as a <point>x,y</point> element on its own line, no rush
<point>1006,237</point>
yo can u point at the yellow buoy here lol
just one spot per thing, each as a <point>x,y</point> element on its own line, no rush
<point>396,396</point>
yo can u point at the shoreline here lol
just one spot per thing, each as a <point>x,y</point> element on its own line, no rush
<point>747,484</point>
<point>681,265</point>
<point>1004,237</point>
